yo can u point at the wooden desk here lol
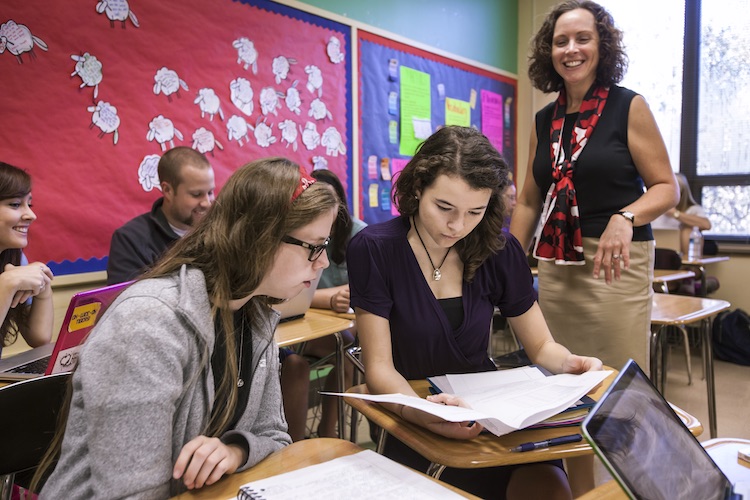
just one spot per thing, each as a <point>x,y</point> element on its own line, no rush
<point>312,326</point>
<point>329,312</point>
<point>700,265</point>
<point>678,311</point>
<point>723,451</point>
<point>663,277</point>
<point>486,450</point>
<point>295,456</point>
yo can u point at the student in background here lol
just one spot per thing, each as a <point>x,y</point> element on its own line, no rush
<point>187,184</point>
<point>25,289</point>
<point>687,214</point>
<point>199,397</point>
<point>333,293</point>
<point>424,287</point>
<point>509,198</point>
<point>592,152</point>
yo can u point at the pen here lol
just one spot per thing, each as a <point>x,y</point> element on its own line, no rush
<point>574,438</point>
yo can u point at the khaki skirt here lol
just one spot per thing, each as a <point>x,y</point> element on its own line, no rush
<point>591,318</point>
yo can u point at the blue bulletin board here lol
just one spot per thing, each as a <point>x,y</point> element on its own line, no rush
<point>436,91</point>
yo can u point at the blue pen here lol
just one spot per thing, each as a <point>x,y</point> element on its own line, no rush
<point>574,438</point>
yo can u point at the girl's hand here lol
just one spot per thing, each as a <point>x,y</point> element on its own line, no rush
<point>453,430</point>
<point>33,280</point>
<point>580,364</point>
<point>340,300</point>
<point>205,460</point>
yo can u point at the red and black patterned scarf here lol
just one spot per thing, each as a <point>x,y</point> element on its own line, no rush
<point>560,238</point>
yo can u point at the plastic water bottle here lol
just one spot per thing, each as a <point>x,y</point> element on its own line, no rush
<point>695,245</point>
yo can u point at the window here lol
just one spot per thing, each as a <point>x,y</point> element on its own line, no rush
<point>704,63</point>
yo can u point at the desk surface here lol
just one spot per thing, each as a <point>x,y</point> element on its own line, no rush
<point>295,456</point>
<point>486,450</point>
<point>329,312</point>
<point>667,275</point>
<point>723,451</point>
<point>683,309</point>
<point>310,327</point>
<point>705,260</point>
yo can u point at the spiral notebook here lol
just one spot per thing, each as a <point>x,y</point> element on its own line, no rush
<point>364,475</point>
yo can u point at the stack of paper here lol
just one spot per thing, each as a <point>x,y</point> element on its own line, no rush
<point>502,401</point>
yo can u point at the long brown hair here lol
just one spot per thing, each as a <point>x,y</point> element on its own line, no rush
<point>466,153</point>
<point>234,246</point>
<point>342,226</point>
<point>613,62</point>
<point>14,183</point>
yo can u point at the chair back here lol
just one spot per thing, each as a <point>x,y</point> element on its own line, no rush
<point>666,258</point>
<point>28,420</point>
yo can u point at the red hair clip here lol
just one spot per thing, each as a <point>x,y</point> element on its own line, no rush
<point>305,181</point>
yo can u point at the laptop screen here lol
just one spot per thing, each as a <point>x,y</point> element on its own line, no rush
<point>647,447</point>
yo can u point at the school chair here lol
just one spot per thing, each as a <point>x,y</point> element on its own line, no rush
<point>28,422</point>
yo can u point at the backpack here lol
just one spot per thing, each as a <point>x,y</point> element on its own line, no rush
<point>731,337</point>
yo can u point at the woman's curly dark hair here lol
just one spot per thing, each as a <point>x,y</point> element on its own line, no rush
<point>613,62</point>
<point>467,154</point>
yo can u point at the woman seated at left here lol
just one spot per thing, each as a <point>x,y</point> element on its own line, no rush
<point>179,382</point>
<point>25,291</point>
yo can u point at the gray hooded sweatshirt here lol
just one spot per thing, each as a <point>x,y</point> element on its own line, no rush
<point>144,387</point>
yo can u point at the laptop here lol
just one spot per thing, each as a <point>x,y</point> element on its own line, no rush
<point>83,311</point>
<point>297,306</point>
<point>648,449</point>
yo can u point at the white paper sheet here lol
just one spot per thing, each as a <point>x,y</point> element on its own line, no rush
<point>505,408</point>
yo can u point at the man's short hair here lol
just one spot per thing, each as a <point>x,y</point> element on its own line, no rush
<point>171,163</point>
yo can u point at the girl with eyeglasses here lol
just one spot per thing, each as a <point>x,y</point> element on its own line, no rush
<point>179,383</point>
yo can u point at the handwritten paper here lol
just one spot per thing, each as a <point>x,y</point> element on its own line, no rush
<point>415,107</point>
<point>364,475</point>
<point>397,165</point>
<point>492,118</point>
<point>457,112</point>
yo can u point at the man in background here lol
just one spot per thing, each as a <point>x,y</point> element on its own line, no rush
<point>187,184</point>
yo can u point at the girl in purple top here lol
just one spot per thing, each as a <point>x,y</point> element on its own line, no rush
<point>424,287</point>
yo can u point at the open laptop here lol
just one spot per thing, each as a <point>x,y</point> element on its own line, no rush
<point>297,306</point>
<point>648,449</point>
<point>83,311</point>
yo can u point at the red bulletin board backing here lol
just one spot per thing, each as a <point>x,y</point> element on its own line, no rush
<point>90,131</point>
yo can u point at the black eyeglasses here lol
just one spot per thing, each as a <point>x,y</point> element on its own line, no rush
<point>315,250</point>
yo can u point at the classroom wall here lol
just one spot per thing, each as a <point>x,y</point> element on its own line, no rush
<point>481,30</point>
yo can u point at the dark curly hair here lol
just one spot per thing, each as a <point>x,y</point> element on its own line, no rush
<point>465,153</point>
<point>613,62</point>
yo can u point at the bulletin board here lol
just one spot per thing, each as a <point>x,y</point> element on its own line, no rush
<point>406,93</point>
<point>94,92</point>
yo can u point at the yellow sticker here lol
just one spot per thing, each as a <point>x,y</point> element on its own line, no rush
<point>84,316</point>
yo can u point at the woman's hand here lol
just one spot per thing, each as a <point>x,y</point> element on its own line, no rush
<point>579,364</point>
<point>453,430</point>
<point>28,281</point>
<point>614,247</point>
<point>340,300</point>
<point>205,460</point>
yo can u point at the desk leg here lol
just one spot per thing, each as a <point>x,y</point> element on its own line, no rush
<point>709,368</point>
<point>654,356</point>
<point>435,470</point>
<point>340,382</point>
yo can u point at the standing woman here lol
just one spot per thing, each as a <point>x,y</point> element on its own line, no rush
<point>593,152</point>
<point>25,291</point>
<point>179,382</point>
<point>424,288</point>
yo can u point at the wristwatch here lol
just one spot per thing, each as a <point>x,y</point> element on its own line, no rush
<point>627,215</point>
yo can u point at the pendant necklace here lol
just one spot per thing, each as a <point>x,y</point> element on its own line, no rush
<point>241,382</point>
<point>436,274</point>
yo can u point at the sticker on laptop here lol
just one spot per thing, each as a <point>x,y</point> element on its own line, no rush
<point>84,316</point>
